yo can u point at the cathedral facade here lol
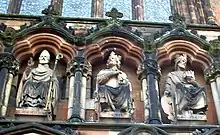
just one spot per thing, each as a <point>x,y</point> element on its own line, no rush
<point>90,76</point>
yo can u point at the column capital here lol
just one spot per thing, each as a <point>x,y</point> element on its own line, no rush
<point>79,64</point>
<point>7,60</point>
<point>213,71</point>
<point>149,66</point>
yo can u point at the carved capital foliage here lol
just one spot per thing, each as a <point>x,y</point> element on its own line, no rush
<point>149,66</point>
<point>214,48</point>
<point>8,61</point>
<point>213,71</point>
<point>79,64</point>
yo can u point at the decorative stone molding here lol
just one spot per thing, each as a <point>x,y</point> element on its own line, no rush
<point>34,44</point>
<point>196,55</point>
<point>146,130</point>
<point>36,128</point>
<point>124,47</point>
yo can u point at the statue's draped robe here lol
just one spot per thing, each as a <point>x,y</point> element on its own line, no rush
<point>36,86</point>
<point>186,96</point>
<point>110,96</point>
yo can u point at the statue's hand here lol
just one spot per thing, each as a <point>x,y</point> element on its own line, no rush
<point>167,93</point>
<point>30,62</point>
<point>117,72</point>
<point>190,77</point>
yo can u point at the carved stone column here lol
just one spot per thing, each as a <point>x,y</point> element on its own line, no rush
<point>150,72</point>
<point>8,69</point>
<point>70,87</point>
<point>213,77</point>
<point>79,69</point>
<point>137,10</point>
<point>58,5</point>
<point>14,6</point>
<point>97,8</point>
<point>145,92</point>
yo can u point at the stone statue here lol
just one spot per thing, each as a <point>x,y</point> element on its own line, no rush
<point>36,83</point>
<point>113,87</point>
<point>182,93</point>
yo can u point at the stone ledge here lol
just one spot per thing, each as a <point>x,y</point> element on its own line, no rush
<point>114,115</point>
<point>30,111</point>
<point>195,117</point>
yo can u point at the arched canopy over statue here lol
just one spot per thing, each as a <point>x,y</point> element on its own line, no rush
<point>113,87</point>
<point>181,92</point>
<point>37,83</point>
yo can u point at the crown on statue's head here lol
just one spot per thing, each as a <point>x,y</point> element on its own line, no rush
<point>115,56</point>
<point>179,57</point>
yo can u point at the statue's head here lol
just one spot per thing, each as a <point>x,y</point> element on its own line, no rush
<point>44,57</point>
<point>180,61</point>
<point>114,60</point>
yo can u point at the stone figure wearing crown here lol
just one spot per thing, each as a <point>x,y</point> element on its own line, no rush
<point>181,92</point>
<point>113,87</point>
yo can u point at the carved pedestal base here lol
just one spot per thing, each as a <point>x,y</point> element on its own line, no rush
<point>191,119</point>
<point>114,117</point>
<point>31,114</point>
